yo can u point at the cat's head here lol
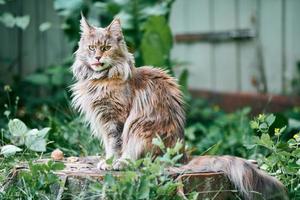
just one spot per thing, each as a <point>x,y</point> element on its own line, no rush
<point>102,53</point>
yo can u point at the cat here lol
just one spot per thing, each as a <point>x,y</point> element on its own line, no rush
<point>125,106</point>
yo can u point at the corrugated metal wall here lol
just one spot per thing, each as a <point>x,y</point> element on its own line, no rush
<point>223,66</point>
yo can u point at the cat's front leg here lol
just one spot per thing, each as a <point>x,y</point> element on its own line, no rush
<point>131,150</point>
<point>112,145</point>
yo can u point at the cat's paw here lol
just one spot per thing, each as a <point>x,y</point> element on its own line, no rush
<point>119,164</point>
<point>102,165</point>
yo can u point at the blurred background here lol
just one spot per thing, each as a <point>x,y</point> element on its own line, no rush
<point>225,46</point>
<point>234,59</point>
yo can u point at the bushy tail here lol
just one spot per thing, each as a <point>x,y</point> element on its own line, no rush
<point>250,181</point>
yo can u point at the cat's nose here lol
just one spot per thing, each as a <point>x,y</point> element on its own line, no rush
<point>98,58</point>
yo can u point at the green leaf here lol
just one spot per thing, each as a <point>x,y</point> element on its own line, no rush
<point>55,166</point>
<point>8,20</point>
<point>22,21</point>
<point>254,124</point>
<point>38,79</point>
<point>9,150</point>
<point>45,26</point>
<point>158,9</point>
<point>183,81</point>
<point>158,142</point>
<point>2,2</point>
<point>266,141</point>
<point>17,128</point>
<point>263,126</point>
<point>66,8</point>
<point>35,140</point>
<point>144,188</point>
<point>156,42</point>
<point>212,150</point>
<point>270,119</point>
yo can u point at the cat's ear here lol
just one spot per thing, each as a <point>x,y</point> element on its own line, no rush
<point>85,27</point>
<point>115,29</point>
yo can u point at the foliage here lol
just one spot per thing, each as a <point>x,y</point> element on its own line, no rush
<point>144,179</point>
<point>11,21</point>
<point>36,183</point>
<point>282,158</point>
<point>44,102</point>
<point>210,130</point>
<point>145,25</point>
<point>20,135</point>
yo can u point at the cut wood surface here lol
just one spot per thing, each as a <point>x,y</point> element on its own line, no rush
<point>79,172</point>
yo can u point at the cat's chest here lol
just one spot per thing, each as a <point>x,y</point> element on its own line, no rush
<point>107,100</point>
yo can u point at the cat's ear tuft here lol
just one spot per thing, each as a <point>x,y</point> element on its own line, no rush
<point>115,28</point>
<point>85,26</point>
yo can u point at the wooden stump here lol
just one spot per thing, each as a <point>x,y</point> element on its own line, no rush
<point>79,172</point>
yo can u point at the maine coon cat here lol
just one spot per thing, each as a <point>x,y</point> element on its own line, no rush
<point>125,106</point>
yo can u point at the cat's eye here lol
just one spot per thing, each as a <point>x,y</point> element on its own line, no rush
<point>105,48</point>
<point>92,47</point>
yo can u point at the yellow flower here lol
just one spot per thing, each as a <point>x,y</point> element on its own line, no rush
<point>297,137</point>
<point>277,131</point>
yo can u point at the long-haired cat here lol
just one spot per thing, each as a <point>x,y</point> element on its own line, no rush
<point>125,106</point>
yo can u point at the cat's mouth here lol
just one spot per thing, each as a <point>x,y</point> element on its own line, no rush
<point>99,67</point>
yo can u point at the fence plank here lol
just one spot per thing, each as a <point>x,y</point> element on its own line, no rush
<point>271,38</point>
<point>198,54</point>
<point>225,53</point>
<point>9,46</point>
<point>292,52</point>
<point>30,50</point>
<point>247,50</point>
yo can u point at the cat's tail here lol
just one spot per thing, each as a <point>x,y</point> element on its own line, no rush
<point>250,181</point>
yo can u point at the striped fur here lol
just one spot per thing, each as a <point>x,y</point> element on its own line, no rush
<point>251,182</point>
<point>125,106</point>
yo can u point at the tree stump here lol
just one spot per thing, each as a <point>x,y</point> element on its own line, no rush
<point>79,172</point>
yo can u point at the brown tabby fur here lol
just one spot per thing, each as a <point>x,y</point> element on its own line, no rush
<point>125,106</point>
<point>251,182</point>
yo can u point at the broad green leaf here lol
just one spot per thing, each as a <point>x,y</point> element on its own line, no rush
<point>2,2</point>
<point>270,119</point>
<point>35,140</point>
<point>266,141</point>
<point>22,21</point>
<point>157,41</point>
<point>17,128</point>
<point>45,26</point>
<point>9,150</point>
<point>8,20</point>
<point>43,132</point>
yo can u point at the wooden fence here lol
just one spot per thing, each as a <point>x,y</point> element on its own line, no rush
<point>227,45</point>
<point>239,63</point>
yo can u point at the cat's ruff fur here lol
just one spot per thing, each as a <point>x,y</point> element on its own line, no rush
<point>125,106</point>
